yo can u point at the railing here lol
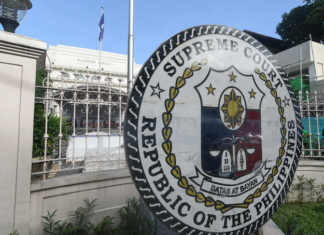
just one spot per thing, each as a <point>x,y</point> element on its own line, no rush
<point>312,114</point>
<point>83,122</point>
<point>96,142</point>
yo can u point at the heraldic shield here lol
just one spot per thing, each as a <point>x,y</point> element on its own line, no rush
<point>231,143</point>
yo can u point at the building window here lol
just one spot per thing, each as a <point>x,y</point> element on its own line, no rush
<point>94,78</point>
<point>80,77</point>
<point>66,75</point>
<point>106,79</point>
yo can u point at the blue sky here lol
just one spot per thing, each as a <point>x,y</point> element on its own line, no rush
<point>75,23</point>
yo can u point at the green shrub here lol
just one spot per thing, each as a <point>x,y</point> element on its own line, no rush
<point>53,131</point>
<point>313,145</point>
<point>300,187</point>
<point>300,218</point>
<point>132,222</point>
<point>81,225</point>
<point>40,76</point>
<point>15,233</point>
<point>104,227</point>
<point>50,224</point>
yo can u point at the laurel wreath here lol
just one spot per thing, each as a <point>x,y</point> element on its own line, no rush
<point>171,157</point>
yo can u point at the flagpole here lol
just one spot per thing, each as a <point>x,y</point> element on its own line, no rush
<point>130,47</point>
<point>102,10</point>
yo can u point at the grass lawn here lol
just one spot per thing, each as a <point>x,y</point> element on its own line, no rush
<point>300,218</point>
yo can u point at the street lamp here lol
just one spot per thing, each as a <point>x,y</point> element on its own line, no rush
<point>12,13</point>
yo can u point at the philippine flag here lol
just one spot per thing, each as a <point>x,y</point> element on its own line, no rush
<point>101,26</point>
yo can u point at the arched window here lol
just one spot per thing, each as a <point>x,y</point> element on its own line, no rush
<point>94,78</point>
<point>66,76</point>
<point>80,77</point>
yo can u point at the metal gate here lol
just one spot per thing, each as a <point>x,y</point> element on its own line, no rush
<point>83,122</point>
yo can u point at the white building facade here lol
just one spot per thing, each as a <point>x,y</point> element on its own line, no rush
<point>312,70</point>
<point>89,104</point>
<point>312,64</point>
<point>80,62</point>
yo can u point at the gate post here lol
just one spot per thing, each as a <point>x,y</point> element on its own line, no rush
<point>20,58</point>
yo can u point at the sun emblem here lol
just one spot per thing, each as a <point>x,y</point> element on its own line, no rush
<point>233,109</point>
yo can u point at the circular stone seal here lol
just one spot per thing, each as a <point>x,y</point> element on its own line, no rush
<point>212,132</point>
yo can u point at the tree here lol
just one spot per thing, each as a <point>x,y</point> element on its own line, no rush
<point>53,130</point>
<point>53,122</point>
<point>40,76</point>
<point>301,21</point>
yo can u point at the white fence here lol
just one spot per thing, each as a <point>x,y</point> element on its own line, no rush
<point>312,114</point>
<point>83,122</point>
<point>89,121</point>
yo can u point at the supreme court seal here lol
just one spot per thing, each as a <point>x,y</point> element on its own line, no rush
<point>212,132</point>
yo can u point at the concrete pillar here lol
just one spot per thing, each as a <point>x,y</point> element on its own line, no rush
<point>20,58</point>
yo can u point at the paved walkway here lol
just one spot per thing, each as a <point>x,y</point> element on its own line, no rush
<point>54,168</point>
<point>65,172</point>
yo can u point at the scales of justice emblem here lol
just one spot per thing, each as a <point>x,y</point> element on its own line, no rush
<point>231,143</point>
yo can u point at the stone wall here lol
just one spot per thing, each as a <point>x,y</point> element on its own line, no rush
<point>111,188</point>
<point>310,169</point>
